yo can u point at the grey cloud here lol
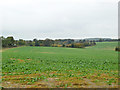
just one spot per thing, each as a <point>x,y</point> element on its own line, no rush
<point>59,19</point>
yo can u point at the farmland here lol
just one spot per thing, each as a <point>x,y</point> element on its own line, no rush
<point>46,67</point>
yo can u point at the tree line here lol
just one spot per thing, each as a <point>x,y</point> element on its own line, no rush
<point>11,42</point>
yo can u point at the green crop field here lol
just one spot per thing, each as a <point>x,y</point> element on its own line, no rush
<point>45,67</point>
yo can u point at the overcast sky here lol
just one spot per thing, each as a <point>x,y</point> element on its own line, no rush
<point>28,19</point>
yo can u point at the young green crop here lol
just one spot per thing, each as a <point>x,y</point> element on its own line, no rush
<point>65,62</point>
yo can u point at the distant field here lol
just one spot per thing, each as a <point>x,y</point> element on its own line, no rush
<point>38,67</point>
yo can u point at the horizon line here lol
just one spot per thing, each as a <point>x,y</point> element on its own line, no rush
<point>61,38</point>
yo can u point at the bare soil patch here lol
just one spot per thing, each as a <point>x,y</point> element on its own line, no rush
<point>20,60</point>
<point>52,82</point>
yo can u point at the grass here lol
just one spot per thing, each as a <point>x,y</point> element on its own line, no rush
<point>61,67</point>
